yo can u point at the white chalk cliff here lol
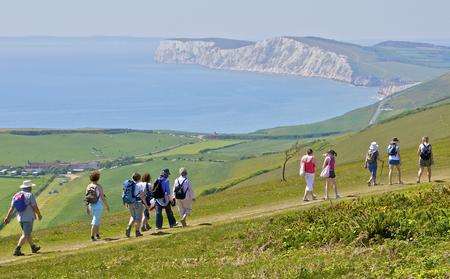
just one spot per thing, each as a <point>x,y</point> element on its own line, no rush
<point>280,55</point>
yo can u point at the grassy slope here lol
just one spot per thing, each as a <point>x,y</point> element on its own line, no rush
<point>18,149</point>
<point>399,235</point>
<point>412,98</point>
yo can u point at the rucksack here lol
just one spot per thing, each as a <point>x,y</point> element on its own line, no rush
<point>157,190</point>
<point>425,152</point>
<point>392,150</point>
<point>91,196</point>
<point>19,202</point>
<point>148,193</point>
<point>180,194</point>
<point>128,196</point>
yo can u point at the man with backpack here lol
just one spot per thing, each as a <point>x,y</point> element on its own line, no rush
<point>24,204</point>
<point>394,160</point>
<point>184,195</point>
<point>133,198</point>
<point>164,200</point>
<point>425,154</point>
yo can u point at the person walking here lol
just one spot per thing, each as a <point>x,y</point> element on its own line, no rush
<point>133,197</point>
<point>149,201</point>
<point>371,163</point>
<point>394,160</point>
<point>329,165</point>
<point>425,153</point>
<point>95,202</point>
<point>24,203</point>
<point>164,199</point>
<point>184,195</point>
<point>308,169</point>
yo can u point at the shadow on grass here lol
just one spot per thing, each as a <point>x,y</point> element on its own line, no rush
<point>439,181</point>
<point>160,233</point>
<point>204,224</point>
<point>111,239</point>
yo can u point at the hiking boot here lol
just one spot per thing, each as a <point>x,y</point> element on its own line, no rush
<point>183,223</point>
<point>17,252</point>
<point>93,238</point>
<point>338,196</point>
<point>98,236</point>
<point>138,234</point>
<point>35,248</point>
<point>128,232</point>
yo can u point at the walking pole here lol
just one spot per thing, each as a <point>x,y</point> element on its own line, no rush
<point>382,167</point>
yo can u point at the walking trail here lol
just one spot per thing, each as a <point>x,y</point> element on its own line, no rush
<point>244,214</point>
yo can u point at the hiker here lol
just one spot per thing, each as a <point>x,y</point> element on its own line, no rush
<point>184,195</point>
<point>329,173</point>
<point>164,200</point>
<point>425,154</point>
<point>133,197</point>
<point>95,202</point>
<point>149,201</point>
<point>308,169</point>
<point>24,204</point>
<point>371,163</point>
<point>394,160</point>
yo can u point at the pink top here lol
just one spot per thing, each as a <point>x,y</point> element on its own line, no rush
<point>331,162</point>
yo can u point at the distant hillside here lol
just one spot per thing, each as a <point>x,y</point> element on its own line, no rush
<point>426,94</point>
<point>385,64</point>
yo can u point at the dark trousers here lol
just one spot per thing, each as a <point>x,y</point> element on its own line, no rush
<point>159,216</point>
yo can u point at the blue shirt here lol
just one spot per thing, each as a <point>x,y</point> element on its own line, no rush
<point>165,183</point>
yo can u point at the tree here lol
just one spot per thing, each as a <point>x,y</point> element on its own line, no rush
<point>289,154</point>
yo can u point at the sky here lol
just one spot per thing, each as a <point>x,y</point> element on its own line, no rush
<point>244,19</point>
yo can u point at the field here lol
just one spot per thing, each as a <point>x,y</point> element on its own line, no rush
<point>17,150</point>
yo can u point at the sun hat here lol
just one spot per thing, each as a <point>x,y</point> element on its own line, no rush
<point>27,184</point>
<point>395,139</point>
<point>373,146</point>
<point>165,172</point>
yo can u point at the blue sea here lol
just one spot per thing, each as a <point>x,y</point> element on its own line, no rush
<point>115,83</point>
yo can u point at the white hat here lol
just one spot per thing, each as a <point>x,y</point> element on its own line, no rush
<point>27,184</point>
<point>373,146</point>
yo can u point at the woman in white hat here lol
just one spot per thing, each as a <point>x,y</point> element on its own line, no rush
<point>184,194</point>
<point>24,203</point>
<point>371,163</point>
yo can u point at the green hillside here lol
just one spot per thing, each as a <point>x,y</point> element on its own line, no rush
<point>18,149</point>
<point>263,229</point>
<point>427,93</point>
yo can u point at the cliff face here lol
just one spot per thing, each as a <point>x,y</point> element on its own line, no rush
<point>275,55</point>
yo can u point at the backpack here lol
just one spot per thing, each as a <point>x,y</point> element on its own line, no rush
<point>392,150</point>
<point>157,190</point>
<point>129,187</point>
<point>179,193</point>
<point>425,152</point>
<point>19,202</point>
<point>148,193</point>
<point>91,196</point>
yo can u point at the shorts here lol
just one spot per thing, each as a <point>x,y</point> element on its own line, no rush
<point>136,211</point>
<point>372,169</point>
<point>309,178</point>
<point>27,227</point>
<point>332,174</point>
<point>97,211</point>
<point>394,162</point>
<point>425,163</point>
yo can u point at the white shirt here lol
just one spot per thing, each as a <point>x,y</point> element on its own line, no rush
<point>395,157</point>
<point>187,187</point>
<point>422,146</point>
<point>140,188</point>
